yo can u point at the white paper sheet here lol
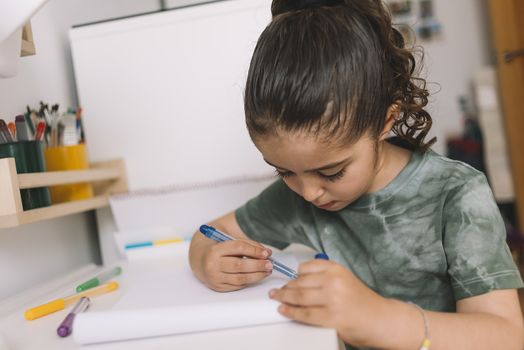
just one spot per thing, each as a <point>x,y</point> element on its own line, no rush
<point>133,324</point>
<point>162,297</point>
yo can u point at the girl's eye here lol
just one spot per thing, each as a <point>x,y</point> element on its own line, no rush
<point>283,174</point>
<point>333,177</point>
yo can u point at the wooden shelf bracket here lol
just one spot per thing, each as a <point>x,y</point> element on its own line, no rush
<point>107,177</point>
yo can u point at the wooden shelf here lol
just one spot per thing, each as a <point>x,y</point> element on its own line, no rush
<point>53,211</point>
<point>53,178</point>
<point>107,178</point>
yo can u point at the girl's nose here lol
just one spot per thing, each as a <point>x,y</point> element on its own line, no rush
<point>311,190</point>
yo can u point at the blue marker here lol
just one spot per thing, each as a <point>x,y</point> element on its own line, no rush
<point>216,235</point>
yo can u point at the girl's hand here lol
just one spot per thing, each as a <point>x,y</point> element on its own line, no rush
<point>233,265</point>
<point>329,295</point>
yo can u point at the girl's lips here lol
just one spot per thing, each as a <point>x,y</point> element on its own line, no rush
<point>327,205</point>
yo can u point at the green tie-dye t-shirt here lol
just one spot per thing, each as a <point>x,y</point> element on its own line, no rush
<point>432,236</point>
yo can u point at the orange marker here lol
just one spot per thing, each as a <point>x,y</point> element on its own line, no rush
<point>12,128</point>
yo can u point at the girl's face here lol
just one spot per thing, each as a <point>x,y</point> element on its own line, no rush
<point>329,177</point>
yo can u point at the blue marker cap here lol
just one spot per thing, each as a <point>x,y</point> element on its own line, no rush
<point>206,230</point>
<point>322,256</point>
<point>214,234</point>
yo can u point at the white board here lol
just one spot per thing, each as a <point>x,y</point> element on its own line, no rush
<point>164,91</point>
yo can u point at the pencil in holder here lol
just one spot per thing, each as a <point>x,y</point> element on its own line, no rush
<point>68,158</point>
<point>29,158</point>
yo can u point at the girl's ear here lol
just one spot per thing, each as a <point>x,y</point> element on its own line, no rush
<point>392,116</point>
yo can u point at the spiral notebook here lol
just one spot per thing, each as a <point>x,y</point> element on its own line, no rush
<point>178,211</point>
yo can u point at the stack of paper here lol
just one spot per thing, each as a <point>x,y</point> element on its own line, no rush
<point>162,297</point>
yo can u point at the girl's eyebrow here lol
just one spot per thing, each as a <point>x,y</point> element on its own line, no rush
<point>324,167</point>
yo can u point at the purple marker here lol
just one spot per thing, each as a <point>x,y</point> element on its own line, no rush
<point>66,327</point>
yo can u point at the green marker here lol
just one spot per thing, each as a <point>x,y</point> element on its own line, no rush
<point>99,279</point>
<point>29,121</point>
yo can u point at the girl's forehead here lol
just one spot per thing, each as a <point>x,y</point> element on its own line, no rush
<point>309,141</point>
<point>302,149</point>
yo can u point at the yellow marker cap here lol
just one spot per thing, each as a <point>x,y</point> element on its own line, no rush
<point>93,292</point>
<point>168,241</point>
<point>46,309</point>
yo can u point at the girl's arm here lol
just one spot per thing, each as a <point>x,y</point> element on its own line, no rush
<point>489,321</point>
<point>223,266</point>
<point>328,294</point>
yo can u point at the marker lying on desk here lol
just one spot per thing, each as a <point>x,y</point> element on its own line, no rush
<point>62,303</point>
<point>99,279</point>
<point>216,235</point>
<point>153,243</point>
<point>66,327</point>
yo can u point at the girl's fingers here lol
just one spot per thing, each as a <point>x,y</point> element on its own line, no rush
<point>223,288</point>
<point>313,280</point>
<point>261,246</point>
<point>241,248</point>
<point>299,296</point>
<point>239,265</point>
<point>314,266</point>
<point>242,279</point>
<point>313,315</point>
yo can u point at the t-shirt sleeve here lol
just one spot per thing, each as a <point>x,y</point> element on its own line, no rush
<point>479,259</point>
<point>270,217</point>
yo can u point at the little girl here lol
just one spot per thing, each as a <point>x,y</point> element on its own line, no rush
<point>416,242</point>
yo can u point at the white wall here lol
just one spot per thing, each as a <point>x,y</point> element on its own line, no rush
<point>34,253</point>
<point>453,59</point>
<point>40,251</point>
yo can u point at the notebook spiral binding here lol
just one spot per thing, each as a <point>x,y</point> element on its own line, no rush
<point>194,186</point>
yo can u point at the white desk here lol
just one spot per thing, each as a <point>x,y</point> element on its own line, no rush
<point>41,333</point>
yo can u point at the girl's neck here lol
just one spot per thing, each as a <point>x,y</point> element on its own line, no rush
<point>391,160</point>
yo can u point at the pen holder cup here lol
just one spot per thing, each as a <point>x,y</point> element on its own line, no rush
<point>29,158</point>
<point>68,158</point>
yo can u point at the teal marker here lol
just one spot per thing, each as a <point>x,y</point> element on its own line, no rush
<point>99,279</point>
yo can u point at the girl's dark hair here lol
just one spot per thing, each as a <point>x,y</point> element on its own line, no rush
<point>335,65</point>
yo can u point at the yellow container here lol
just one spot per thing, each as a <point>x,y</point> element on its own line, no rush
<point>68,158</point>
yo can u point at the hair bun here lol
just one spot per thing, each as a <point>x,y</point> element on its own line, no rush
<point>281,6</point>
